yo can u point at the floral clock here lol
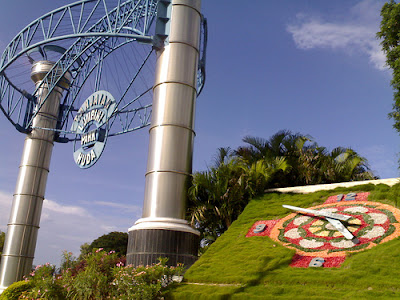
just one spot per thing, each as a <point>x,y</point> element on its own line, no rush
<point>318,243</point>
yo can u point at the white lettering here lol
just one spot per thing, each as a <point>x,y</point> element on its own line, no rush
<point>88,137</point>
<point>95,100</point>
<point>103,100</point>
<point>93,115</point>
<point>107,104</point>
<point>99,116</point>
<point>92,155</point>
<point>84,139</point>
<point>79,159</point>
<point>86,158</point>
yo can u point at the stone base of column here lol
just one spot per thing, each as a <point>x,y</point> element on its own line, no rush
<point>177,241</point>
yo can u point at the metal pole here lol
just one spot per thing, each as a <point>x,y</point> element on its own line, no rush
<point>23,225</point>
<point>162,230</point>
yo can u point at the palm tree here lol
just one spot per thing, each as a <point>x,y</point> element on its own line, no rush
<point>348,165</point>
<point>283,145</point>
<point>316,165</point>
<point>306,161</point>
<point>216,197</point>
<point>219,195</point>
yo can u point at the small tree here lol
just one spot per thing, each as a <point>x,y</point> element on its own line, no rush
<point>390,35</point>
<point>85,249</point>
<point>113,241</point>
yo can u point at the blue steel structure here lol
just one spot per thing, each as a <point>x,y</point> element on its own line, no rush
<point>71,52</point>
<point>82,38</point>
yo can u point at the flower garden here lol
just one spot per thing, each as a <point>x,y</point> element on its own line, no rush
<point>371,222</point>
<point>99,275</point>
<point>272,261</point>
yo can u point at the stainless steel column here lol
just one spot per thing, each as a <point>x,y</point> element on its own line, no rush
<point>169,164</point>
<point>23,225</point>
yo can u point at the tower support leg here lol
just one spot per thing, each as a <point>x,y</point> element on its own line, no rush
<point>162,230</point>
<point>20,243</point>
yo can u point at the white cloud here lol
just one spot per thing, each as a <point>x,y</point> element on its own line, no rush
<point>357,35</point>
<point>108,228</point>
<point>54,207</point>
<point>130,208</point>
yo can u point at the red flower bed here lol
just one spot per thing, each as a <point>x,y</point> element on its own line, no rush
<point>302,261</point>
<point>359,197</point>
<point>269,225</point>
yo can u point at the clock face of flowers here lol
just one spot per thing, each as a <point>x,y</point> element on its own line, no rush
<point>371,222</point>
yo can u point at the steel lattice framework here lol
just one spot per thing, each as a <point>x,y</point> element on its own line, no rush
<point>87,38</point>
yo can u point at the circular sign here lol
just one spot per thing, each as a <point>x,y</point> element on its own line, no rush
<point>90,127</point>
<point>371,222</point>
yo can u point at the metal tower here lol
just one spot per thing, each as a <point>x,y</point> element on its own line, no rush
<point>163,231</point>
<point>72,55</point>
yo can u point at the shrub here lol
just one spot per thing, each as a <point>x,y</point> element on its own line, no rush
<point>68,260</point>
<point>100,275</point>
<point>90,280</point>
<point>44,284</point>
<point>143,283</point>
<point>15,290</point>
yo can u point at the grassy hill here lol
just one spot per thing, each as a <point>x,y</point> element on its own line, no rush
<point>240,267</point>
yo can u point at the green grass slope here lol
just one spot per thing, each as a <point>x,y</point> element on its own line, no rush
<point>236,267</point>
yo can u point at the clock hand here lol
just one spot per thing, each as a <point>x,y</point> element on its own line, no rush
<point>319,213</point>
<point>342,229</point>
<point>331,218</point>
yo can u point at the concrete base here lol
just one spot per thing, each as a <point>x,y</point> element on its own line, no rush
<point>145,246</point>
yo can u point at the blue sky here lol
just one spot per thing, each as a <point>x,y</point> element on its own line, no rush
<point>313,67</point>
